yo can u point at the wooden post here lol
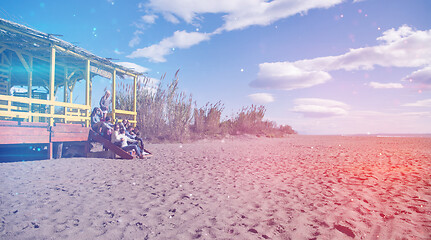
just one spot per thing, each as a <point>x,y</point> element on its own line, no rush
<point>59,150</point>
<point>91,90</point>
<point>29,68</point>
<point>87,89</point>
<point>66,87</point>
<point>113,98</point>
<point>71,92</point>
<point>30,86</point>
<point>134,97</point>
<point>30,78</point>
<point>51,83</point>
<point>50,150</point>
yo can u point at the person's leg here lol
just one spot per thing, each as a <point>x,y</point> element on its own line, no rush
<point>141,142</point>
<point>133,147</point>
<point>138,150</point>
<point>129,148</point>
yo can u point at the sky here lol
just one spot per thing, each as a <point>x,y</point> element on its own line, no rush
<point>322,67</point>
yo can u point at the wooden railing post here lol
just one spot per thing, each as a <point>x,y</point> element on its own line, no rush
<point>51,84</point>
<point>66,86</point>
<point>113,98</point>
<point>87,89</point>
<point>30,85</point>
<point>134,97</point>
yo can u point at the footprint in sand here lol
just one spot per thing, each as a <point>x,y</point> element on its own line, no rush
<point>2,224</point>
<point>345,230</point>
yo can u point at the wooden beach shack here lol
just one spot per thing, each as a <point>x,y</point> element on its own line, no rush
<point>33,67</point>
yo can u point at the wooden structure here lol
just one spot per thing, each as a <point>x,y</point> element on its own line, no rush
<point>39,64</point>
<point>106,143</point>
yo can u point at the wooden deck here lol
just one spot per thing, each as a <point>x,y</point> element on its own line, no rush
<point>12,132</point>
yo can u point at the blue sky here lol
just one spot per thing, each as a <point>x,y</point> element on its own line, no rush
<point>323,67</point>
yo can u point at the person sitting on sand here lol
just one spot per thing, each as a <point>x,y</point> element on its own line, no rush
<point>119,138</point>
<point>104,103</point>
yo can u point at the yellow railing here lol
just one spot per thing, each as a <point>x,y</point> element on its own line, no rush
<point>21,107</point>
<point>117,112</point>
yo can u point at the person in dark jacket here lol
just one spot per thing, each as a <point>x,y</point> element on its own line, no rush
<point>96,116</point>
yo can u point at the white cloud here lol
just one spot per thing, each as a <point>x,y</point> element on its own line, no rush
<point>319,108</point>
<point>134,66</point>
<point>286,76</point>
<point>417,114</point>
<point>393,35</point>
<point>239,14</point>
<point>420,103</point>
<point>385,85</point>
<point>171,18</point>
<point>180,39</point>
<point>149,18</point>
<point>421,78</point>
<point>362,122</point>
<point>136,38</point>
<point>400,48</point>
<point>264,13</point>
<point>261,98</point>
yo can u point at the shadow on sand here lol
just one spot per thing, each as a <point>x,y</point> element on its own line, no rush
<point>23,152</point>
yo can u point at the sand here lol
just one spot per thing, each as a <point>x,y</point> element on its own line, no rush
<point>300,187</point>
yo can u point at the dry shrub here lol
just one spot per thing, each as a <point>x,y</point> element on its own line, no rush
<point>207,119</point>
<point>166,113</point>
<point>248,120</point>
<point>163,113</point>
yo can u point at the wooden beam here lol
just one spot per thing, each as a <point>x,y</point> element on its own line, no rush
<point>91,90</point>
<point>66,86</point>
<point>5,57</point>
<point>72,87</point>
<point>41,101</point>
<point>30,54</point>
<point>2,49</point>
<point>73,54</point>
<point>48,41</point>
<point>118,111</point>
<point>134,96</point>
<point>113,98</point>
<point>30,77</point>
<point>24,63</point>
<point>87,88</point>
<point>51,83</point>
<point>71,74</point>
<point>87,83</point>
<point>93,60</point>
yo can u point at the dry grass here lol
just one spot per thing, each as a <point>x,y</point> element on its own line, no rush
<point>166,113</point>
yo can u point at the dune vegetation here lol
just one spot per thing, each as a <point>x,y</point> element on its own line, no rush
<point>165,113</point>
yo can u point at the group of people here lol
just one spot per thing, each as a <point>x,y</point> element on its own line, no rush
<point>122,134</point>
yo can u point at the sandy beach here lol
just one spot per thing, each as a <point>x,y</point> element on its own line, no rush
<point>299,187</point>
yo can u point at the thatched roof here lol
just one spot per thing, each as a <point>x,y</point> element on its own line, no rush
<point>28,41</point>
